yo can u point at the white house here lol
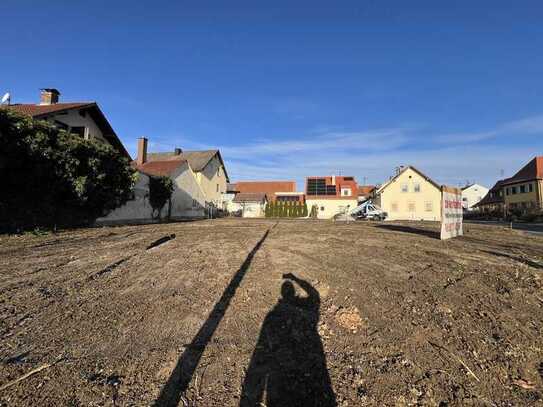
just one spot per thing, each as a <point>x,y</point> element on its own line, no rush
<point>82,119</point>
<point>410,195</point>
<point>209,168</point>
<point>329,196</point>
<point>187,201</point>
<point>251,204</point>
<point>472,195</point>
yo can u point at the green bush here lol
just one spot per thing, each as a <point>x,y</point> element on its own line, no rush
<point>52,178</point>
<point>160,192</point>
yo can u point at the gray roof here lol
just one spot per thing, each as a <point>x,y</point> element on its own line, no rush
<point>250,197</point>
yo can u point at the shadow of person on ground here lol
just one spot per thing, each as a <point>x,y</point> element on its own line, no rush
<point>288,366</point>
<point>408,229</point>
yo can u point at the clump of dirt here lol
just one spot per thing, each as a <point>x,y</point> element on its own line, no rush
<point>350,319</point>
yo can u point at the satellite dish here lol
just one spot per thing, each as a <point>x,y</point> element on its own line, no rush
<point>6,98</point>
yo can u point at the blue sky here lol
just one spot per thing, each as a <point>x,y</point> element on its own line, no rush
<point>289,89</point>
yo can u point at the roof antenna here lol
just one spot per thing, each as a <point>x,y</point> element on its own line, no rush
<point>6,98</point>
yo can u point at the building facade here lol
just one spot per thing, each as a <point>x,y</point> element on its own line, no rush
<point>472,195</point>
<point>331,195</point>
<point>410,195</point>
<point>492,202</point>
<point>524,190</point>
<point>209,168</point>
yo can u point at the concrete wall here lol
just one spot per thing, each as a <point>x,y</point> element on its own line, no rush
<point>253,209</point>
<point>212,181</point>
<point>327,208</point>
<point>410,205</point>
<point>227,203</point>
<point>72,118</point>
<point>136,210</point>
<point>472,195</point>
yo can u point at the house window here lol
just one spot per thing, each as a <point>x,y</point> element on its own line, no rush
<point>219,172</point>
<point>405,188</point>
<point>428,206</point>
<point>322,208</point>
<point>217,187</point>
<point>530,187</point>
<point>194,203</point>
<point>394,207</point>
<point>514,190</point>
<point>78,131</point>
<point>417,188</point>
<point>411,206</point>
<point>522,189</point>
<point>345,191</point>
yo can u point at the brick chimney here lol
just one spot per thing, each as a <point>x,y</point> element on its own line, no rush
<point>49,96</point>
<point>142,151</point>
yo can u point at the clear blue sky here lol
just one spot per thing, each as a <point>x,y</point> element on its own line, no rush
<point>285,91</point>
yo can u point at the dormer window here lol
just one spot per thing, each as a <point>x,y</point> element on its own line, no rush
<point>345,191</point>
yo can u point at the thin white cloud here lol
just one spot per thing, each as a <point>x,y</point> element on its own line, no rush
<point>378,140</point>
<point>527,126</point>
<point>451,165</point>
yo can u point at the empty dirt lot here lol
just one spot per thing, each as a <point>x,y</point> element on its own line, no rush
<point>263,313</point>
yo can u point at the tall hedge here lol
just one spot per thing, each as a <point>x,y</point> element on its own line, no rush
<point>53,178</point>
<point>160,193</point>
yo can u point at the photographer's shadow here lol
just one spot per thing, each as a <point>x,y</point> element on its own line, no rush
<point>288,366</point>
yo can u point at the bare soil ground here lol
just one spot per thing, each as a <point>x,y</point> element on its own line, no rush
<point>368,314</point>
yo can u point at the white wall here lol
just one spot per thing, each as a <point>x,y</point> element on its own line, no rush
<point>187,201</point>
<point>136,210</point>
<point>327,208</point>
<point>253,209</point>
<point>227,203</point>
<point>72,118</point>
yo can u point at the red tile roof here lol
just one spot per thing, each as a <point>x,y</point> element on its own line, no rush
<point>268,187</point>
<point>159,168</point>
<point>39,110</point>
<point>532,170</point>
<point>365,189</point>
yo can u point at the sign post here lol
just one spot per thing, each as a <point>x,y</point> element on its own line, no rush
<point>451,212</point>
